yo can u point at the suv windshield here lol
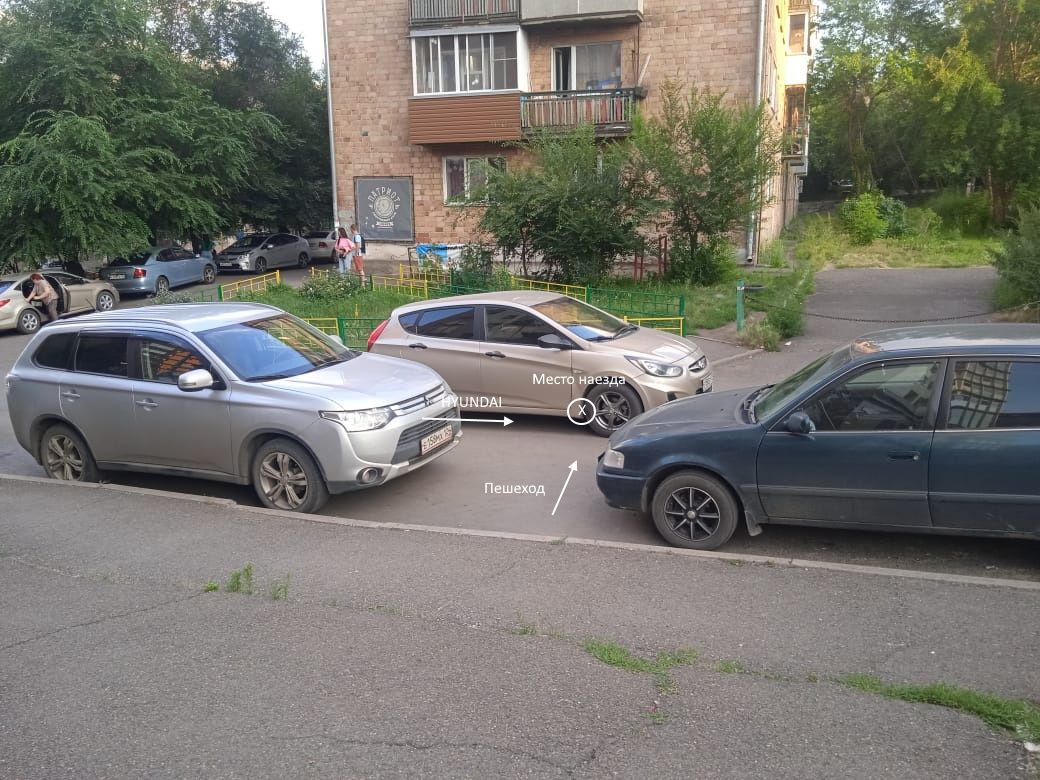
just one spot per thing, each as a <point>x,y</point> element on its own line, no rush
<point>248,241</point>
<point>583,320</point>
<point>780,394</point>
<point>274,348</point>
<point>137,258</point>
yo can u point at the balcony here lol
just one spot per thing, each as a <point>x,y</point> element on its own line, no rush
<point>452,119</point>
<point>571,11</point>
<point>610,111</point>
<point>436,13</point>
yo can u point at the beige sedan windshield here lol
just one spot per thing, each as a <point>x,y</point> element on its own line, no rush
<point>581,319</point>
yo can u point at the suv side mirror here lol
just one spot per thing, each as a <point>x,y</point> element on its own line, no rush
<point>193,381</point>
<point>554,341</point>
<point>800,423</point>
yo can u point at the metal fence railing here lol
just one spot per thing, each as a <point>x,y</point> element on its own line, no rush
<point>602,108</point>
<point>439,11</point>
<point>228,292</point>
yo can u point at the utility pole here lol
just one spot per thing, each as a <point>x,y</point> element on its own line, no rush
<point>332,131</point>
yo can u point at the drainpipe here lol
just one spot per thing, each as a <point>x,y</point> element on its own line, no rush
<point>332,132</point>
<point>760,53</point>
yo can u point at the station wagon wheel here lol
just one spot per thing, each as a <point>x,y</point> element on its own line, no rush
<point>694,510</point>
<point>28,321</point>
<point>615,404</point>
<point>64,455</point>
<point>286,477</point>
<point>105,301</point>
<point>209,273</point>
<point>162,285</point>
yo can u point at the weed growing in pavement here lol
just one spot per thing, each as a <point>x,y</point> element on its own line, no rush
<point>241,581</point>
<point>210,586</point>
<point>613,654</point>
<point>280,588</point>
<point>730,667</point>
<point>1021,718</point>
<point>556,542</point>
<point>524,628</point>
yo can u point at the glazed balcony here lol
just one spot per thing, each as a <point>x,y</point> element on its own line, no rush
<point>610,111</point>
<point>574,11</point>
<point>437,13</point>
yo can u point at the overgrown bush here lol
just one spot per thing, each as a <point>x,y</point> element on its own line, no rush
<point>761,335</point>
<point>968,215</point>
<point>922,222</point>
<point>788,322</point>
<point>332,287</point>
<point>861,217</point>
<point>893,212</point>
<point>1018,261</point>
<point>711,262</point>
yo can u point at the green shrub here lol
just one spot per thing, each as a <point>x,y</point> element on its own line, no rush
<point>1018,261</point>
<point>787,322</point>
<point>922,222</point>
<point>893,212</point>
<point>968,215</point>
<point>712,262</point>
<point>333,287</point>
<point>761,335</point>
<point>861,217</point>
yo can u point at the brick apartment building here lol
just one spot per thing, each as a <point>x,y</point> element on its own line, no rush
<point>423,88</point>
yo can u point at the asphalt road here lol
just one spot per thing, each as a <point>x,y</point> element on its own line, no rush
<point>537,451</point>
<point>404,654</point>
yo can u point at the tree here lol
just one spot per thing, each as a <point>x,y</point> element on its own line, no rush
<point>105,142</point>
<point>569,199</point>
<point>704,159</point>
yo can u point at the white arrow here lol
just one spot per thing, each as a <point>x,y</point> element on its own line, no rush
<point>505,421</point>
<point>573,467</point>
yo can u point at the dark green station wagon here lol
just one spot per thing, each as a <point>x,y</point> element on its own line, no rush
<point>933,429</point>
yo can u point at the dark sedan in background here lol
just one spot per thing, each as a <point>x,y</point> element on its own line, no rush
<point>933,429</point>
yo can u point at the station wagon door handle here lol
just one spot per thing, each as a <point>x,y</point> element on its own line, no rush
<point>495,354</point>
<point>71,395</point>
<point>147,403</point>
<point>416,346</point>
<point>912,456</point>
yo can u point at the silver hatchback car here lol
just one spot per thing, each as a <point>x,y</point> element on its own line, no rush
<point>234,392</point>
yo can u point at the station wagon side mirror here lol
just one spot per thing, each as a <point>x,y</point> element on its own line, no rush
<point>194,381</point>
<point>800,423</point>
<point>553,341</point>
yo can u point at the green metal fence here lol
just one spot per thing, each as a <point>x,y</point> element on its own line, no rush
<point>634,303</point>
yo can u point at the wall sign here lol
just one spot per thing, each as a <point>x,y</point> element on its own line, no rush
<point>384,208</point>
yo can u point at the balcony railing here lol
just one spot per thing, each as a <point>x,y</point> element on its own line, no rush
<point>796,141</point>
<point>611,111</point>
<point>437,12</point>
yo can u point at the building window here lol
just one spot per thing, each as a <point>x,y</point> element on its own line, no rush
<point>587,66</point>
<point>797,43</point>
<point>464,177</point>
<point>445,64</point>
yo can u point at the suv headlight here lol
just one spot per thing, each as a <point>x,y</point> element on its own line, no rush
<point>654,368</point>
<point>612,459</point>
<point>363,420</point>
<point>700,365</point>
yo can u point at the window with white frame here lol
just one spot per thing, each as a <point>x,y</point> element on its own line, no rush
<point>587,66</point>
<point>445,64</point>
<point>464,177</point>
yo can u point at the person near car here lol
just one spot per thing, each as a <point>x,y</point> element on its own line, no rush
<point>359,252</point>
<point>44,293</point>
<point>207,246</point>
<point>344,247</point>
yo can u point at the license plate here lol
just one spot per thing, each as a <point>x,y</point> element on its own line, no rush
<point>435,440</point>
<point>117,276</point>
<point>707,384</point>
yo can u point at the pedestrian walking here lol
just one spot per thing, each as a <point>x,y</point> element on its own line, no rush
<point>344,248</point>
<point>359,252</point>
<point>45,294</point>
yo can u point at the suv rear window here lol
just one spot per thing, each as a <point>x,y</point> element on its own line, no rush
<point>102,355</point>
<point>55,351</point>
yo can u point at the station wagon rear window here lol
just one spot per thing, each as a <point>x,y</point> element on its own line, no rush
<point>55,351</point>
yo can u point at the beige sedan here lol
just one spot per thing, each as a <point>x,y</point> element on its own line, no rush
<point>76,295</point>
<point>534,352</point>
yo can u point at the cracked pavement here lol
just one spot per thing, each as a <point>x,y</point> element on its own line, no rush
<point>404,653</point>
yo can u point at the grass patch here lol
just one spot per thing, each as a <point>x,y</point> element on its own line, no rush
<point>375,304</point>
<point>1015,303</point>
<point>524,628</point>
<point>1019,717</point>
<point>210,586</point>
<point>620,657</point>
<point>729,667</point>
<point>930,251</point>
<point>280,588</point>
<point>240,581</point>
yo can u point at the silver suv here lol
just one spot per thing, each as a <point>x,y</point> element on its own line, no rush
<point>235,392</point>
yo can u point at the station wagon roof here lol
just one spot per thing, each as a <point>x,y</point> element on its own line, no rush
<point>959,338</point>
<point>192,317</point>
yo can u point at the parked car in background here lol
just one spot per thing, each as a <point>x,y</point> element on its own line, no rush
<point>261,252</point>
<point>545,353</point>
<point>234,392</point>
<point>76,295</point>
<point>931,430</point>
<point>157,270</point>
<point>322,244</point>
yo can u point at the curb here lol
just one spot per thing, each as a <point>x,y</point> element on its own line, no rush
<point>791,563</point>
<point>734,358</point>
